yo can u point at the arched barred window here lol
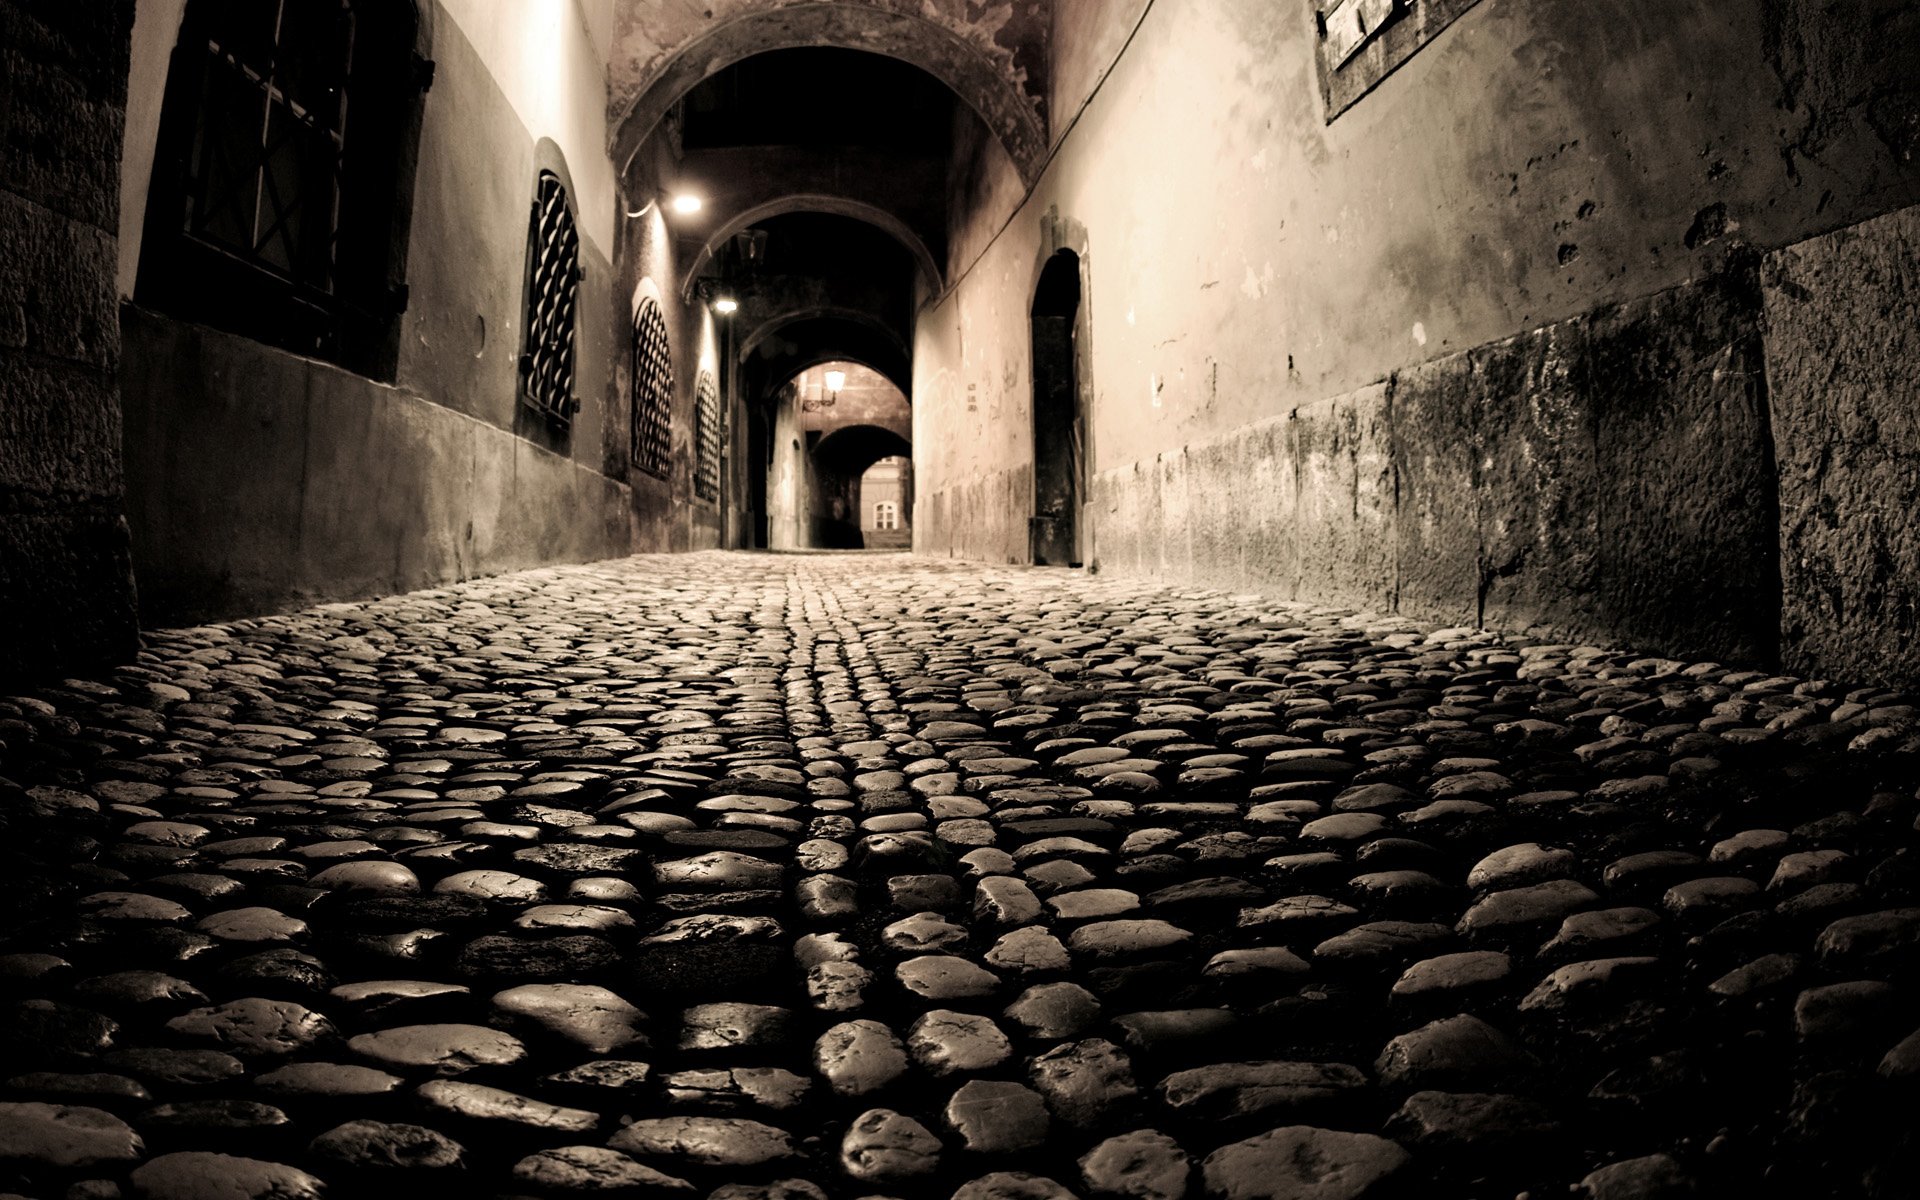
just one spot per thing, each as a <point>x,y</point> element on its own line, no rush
<point>706,437</point>
<point>652,376</point>
<point>553,289</point>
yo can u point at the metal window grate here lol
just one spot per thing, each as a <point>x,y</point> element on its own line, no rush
<point>706,437</point>
<point>553,283</point>
<point>264,186</point>
<point>652,376</point>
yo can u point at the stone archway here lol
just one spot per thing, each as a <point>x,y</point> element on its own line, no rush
<point>960,53</point>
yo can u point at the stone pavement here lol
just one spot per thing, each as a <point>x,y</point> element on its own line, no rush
<point>754,877</point>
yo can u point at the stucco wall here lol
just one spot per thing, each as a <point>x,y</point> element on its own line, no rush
<point>66,595</point>
<point>1543,169</point>
<point>444,475</point>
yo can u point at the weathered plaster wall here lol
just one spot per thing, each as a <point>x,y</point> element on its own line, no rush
<point>328,486</point>
<point>66,593</point>
<point>1264,286</point>
<point>1086,39</point>
<point>668,514</point>
<point>516,88</point>
<point>1843,370</point>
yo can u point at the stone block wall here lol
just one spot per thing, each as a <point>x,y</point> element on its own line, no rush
<point>66,588</point>
<point>1606,477</point>
<point>1843,374</point>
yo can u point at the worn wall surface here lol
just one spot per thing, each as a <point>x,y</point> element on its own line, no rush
<point>668,513</point>
<point>1426,321</point>
<point>516,89</point>
<point>329,486</point>
<point>1843,369</point>
<point>66,593</point>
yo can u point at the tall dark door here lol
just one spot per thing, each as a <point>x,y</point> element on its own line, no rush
<point>1053,530</point>
<point>759,456</point>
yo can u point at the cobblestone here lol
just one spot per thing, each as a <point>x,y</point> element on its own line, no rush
<point>746,876</point>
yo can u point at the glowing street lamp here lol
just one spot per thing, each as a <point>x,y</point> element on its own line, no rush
<point>685,203</point>
<point>725,305</point>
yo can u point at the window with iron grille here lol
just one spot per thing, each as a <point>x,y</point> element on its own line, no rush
<point>652,377</point>
<point>706,437</point>
<point>1364,41</point>
<point>553,288</point>
<point>276,206</point>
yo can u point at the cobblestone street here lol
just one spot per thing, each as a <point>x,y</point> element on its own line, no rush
<point>759,877</point>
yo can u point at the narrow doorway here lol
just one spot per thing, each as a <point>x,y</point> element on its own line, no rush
<point>1053,529</point>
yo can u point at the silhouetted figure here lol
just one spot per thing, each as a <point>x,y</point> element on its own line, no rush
<point>839,531</point>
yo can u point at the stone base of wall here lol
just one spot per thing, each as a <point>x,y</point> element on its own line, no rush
<point>1604,477</point>
<point>982,519</point>
<point>258,481</point>
<point>1728,469</point>
<point>66,594</point>
<point>1843,372</point>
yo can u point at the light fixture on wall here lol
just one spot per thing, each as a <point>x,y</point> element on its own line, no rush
<point>828,394</point>
<point>684,203</point>
<point>725,305</point>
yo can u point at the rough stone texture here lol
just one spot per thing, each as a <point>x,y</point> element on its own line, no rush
<point>1508,485</point>
<point>1843,366</point>
<point>1387,881</point>
<point>64,565</point>
<point>1299,1162</point>
<point>993,56</point>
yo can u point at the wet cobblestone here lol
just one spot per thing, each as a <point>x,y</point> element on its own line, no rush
<point>753,877</point>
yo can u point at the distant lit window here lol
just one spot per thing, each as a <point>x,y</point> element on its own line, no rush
<point>886,515</point>
<point>652,391</point>
<point>553,291</point>
<point>277,209</point>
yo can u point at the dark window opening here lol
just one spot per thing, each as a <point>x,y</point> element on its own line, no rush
<point>1361,42</point>
<point>706,437</point>
<point>553,289</point>
<point>652,376</point>
<point>1058,431</point>
<point>282,175</point>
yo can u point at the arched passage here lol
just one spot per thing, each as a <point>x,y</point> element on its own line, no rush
<point>815,202</point>
<point>828,425</point>
<point>779,353</point>
<point>943,51</point>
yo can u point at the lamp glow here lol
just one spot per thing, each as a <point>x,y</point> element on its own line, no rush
<point>725,304</point>
<point>836,380</point>
<point>686,203</point>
